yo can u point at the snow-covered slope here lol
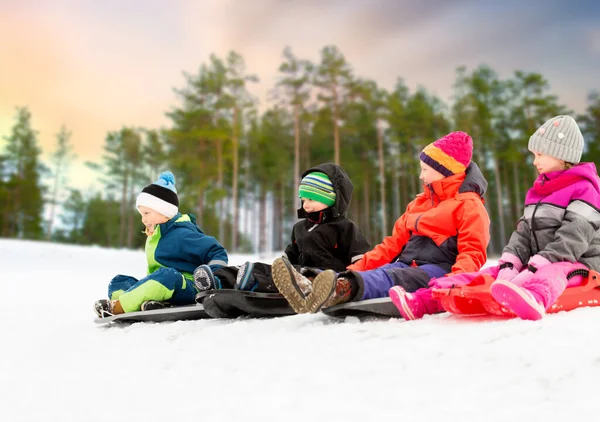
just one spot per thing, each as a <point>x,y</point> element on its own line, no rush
<point>57,365</point>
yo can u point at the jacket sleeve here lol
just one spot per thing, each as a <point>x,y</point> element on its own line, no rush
<point>388,249</point>
<point>473,237</point>
<point>355,242</point>
<point>578,228</point>
<point>199,249</point>
<point>291,251</point>
<point>519,243</point>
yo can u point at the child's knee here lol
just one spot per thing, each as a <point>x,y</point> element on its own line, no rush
<point>168,277</point>
<point>120,284</point>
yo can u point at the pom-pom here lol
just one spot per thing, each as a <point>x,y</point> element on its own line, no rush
<point>168,177</point>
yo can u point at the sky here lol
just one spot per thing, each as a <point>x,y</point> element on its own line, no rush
<point>95,66</point>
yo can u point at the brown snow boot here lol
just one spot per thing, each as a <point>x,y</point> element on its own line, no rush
<point>328,290</point>
<point>291,284</point>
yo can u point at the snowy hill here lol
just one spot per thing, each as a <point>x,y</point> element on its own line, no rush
<point>57,365</point>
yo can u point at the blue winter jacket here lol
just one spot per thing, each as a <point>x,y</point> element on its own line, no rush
<point>181,245</point>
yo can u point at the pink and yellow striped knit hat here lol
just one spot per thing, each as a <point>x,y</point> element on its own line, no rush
<point>449,155</point>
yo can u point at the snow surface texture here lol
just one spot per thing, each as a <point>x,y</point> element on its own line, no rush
<point>57,365</point>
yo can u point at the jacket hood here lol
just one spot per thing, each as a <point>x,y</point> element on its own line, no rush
<point>474,181</point>
<point>341,184</point>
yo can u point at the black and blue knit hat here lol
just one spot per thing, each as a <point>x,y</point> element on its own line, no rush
<point>160,196</point>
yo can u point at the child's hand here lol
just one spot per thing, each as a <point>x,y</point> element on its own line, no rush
<point>450,281</point>
<point>507,274</point>
<point>442,283</point>
<point>538,262</point>
<point>510,266</point>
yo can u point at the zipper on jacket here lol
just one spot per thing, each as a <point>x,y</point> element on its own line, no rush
<point>431,192</point>
<point>533,225</point>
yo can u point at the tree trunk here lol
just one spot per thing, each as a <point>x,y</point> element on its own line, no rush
<point>366,204</point>
<point>518,210</point>
<point>396,186</point>
<point>506,193</point>
<point>410,173</point>
<point>373,207</point>
<point>296,147</point>
<point>6,212</point>
<point>499,205</point>
<point>130,215</point>
<point>381,179</point>
<point>234,189</point>
<point>336,128</point>
<point>282,225</point>
<point>306,153</point>
<point>200,193</point>
<point>124,201</point>
<point>403,188</point>
<point>53,202</point>
<point>220,203</point>
<point>262,217</point>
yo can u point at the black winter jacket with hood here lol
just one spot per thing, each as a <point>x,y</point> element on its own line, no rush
<point>327,239</point>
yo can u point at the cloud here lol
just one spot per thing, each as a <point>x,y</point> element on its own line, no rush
<point>96,66</point>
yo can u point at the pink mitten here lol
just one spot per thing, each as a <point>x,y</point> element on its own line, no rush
<point>509,265</point>
<point>538,262</point>
<point>453,280</point>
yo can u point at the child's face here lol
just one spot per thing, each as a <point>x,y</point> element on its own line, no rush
<point>151,218</point>
<point>428,174</point>
<point>311,205</point>
<point>545,164</point>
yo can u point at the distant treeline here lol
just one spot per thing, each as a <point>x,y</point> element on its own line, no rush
<point>238,169</point>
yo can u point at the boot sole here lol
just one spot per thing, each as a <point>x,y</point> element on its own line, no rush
<point>100,311</point>
<point>283,278</point>
<point>323,288</point>
<point>399,300</point>
<point>514,299</point>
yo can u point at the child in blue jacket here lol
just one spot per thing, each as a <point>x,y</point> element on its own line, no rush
<point>175,247</point>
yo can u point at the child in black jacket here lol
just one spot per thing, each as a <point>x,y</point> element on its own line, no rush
<point>324,239</point>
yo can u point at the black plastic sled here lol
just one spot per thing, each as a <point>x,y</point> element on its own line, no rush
<point>381,307</point>
<point>231,303</point>
<point>174,313</point>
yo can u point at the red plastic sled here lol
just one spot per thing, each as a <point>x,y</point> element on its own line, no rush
<point>475,298</point>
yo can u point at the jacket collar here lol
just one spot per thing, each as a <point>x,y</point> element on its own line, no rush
<point>444,188</point>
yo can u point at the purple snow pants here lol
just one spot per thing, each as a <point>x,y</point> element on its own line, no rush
<point>377,283</point>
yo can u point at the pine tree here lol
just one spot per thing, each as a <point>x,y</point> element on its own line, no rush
<point>73,215</point>
<point>590,123</point>
<point>295,81</point>
<point>240,99</point>
<point>333,76</point>
<point>60,161</point>
<point>25,204</point>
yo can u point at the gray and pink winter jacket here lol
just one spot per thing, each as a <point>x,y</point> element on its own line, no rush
<point>561,219</point>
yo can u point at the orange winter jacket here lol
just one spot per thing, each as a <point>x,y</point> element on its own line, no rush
<point>447,225</point>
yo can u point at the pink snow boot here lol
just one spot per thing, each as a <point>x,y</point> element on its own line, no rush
<point>521,301</point>
<point>414,305</point>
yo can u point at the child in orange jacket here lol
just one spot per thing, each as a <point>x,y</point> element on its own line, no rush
<point>444,229</point>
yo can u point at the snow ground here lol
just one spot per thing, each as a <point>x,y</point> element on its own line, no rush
<point>57,365</point>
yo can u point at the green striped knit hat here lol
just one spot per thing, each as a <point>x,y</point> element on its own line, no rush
<point>318,187</point>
